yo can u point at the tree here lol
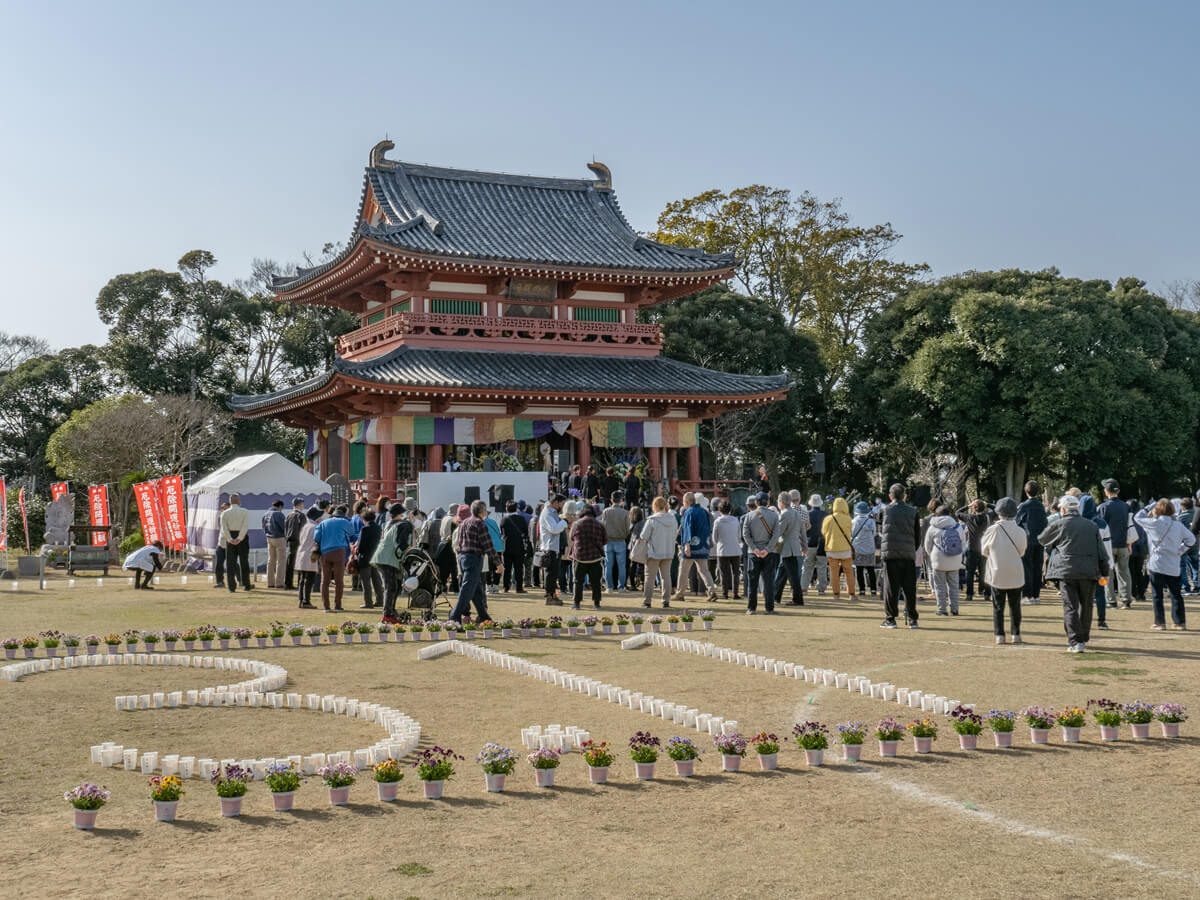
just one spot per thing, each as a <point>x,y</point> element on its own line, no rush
<point>16,348</point>
<point>730,332</point>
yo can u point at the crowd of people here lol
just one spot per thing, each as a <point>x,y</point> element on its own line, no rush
<point>774,548</point>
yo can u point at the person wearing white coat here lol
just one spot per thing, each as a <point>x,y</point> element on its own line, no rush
<point>945,535</point>
<point>1169,540</point>
<point>1003,548</point>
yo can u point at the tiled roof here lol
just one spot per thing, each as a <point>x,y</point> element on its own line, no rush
<point>424,367</point>
<point>462,214</point>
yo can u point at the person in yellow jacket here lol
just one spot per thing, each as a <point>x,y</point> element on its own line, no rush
<point>838,548</point>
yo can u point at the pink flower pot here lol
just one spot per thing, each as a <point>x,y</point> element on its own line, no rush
<point>687,626</point>
<point>92,648</point>
<point>113,649</point>
<point>1002,738</point>
<point>1140,732</point>
<point>1039,735</point>
<point>314,639</point>
<point>637,629</point>
<point>51,652</point>
<point>606,629</point>
<point>731,762</point>
<point>1170,729</point>
<point>283,800</point>
<point>276,642</point>
<point>494,783</point>
<point>598,774</point>
<point>339,796</point>
<point>644,771</point>
<point>656,627</point>
<point>29,653</point>
<point>262,643</point>
<point>1109,732</point>
<point>685,768</point>
<point>85,819</point>
<point>11,654</point>
<point>231,806</point>
<point>187,645</point>
<point>333,639</point>
<point>224,642</point>
<point>544,777</point>
<point>1070,734</point>
<point>364,638</point>
<point>621,629</point>
<point>243,642</point>
<point>968,741</point>
<point>888,748</point>
<point>296,639</point>
<point>164,810</point>
<point>206,645</point>
<point>387,790</point>
<point>433,789</point>
<point>487,634</point>
<point>708,626</point>
<point>768,762</point>
<point>851,752</point>
<point>672,626</point>
<point>814,757</point>
<point>923,745</point>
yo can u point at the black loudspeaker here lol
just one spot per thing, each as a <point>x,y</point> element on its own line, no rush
<point>749,471</point>
<point>561,460</point>
<point>919,494</point>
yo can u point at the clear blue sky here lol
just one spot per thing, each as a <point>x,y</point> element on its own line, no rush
<point>991,135</point>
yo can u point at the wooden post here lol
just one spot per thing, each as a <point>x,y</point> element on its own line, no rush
<point>654,455</point>
<point>435,458</point>
<point>585,449</point>
<point>693,462</point>
<point>372,471</point>
<point>323,453</point>
<point>387,463</point>
<point>345,458</point>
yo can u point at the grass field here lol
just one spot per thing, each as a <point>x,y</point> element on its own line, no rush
<point>1088,820</point>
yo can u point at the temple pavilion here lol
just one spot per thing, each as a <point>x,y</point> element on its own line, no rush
<point>499,312</point>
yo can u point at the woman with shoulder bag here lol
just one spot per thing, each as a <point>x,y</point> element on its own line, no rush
<point>862,540</point>
<point>835,530</point>
<point>1003,547</point>
<point>308,556</point>
<point>659,533</point>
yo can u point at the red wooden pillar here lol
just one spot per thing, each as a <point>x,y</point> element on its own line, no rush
<point>585,449</point>
<point>372,471</point>
<point>387,463</point>
<point>345,458</point>
<point>654,455</point>
<point>435,458</point>
<point>323,455</point>
<point>693,462</point>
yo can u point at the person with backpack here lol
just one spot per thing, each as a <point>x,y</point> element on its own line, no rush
<point>862,540</point>
<point>1169,541</point>
<point>1003,548</point>
<point>944,547</point>
<point>835,533</point>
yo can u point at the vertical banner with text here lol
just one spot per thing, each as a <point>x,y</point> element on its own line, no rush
<point>170,501</point>
<point>24,517</point>
<point>59,489</point>
<point>146,499</point>
<point>3,515</point>
<point>98,511</point>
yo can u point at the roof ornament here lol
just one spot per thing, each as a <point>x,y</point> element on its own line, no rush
<point>602,172</point>
<point>377,155</point>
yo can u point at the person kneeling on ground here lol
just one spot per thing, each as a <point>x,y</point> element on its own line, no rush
<point>144,562</point>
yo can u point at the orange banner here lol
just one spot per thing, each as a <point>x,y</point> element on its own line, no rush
<point>98,511</point>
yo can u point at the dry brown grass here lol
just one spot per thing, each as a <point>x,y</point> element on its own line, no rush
<point>1090,820</point>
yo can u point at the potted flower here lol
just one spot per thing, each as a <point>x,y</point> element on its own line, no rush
<point>364,630</point>
<point>92,642</point>
<point>87,799</point>
<point>573,624</point>
<point>1169,716</point>
<point>384,630</point>
<point>684,752</point>
<point>29,645</point>
<point>243,635</point>
<point>348,629</point>
<point>1039,721</point>
<point>331,632</point>
<point>417,629</point>
<point>487,628</point>
<point>435,630</point>
<point>622,623</point>
<point>707,616</point>
<point>526,626</point>
<point>1107,714</point>
<point>451,628</point>
<point>967,724</point>
<point>283,780</point>
<point>206,634</point>
<point>606,625</point>
<point>556,625</point>
<point>598,757</point>
<point>672,623</point>
<point>399,631</point>
<point>51,640</point>
<point>71,642</point>
<point>165,791</point>
<point>643,750</point>
<point>224,636</point>
<point>813,739</point>
<point>888,732</point>
<point>497,763</point>
<point>150,638</point>
<point>230,782</point>
<point>732,748</point>
<point>1071,720</point>
<point>544,761</point>
<point>388,776</point>
<point>1001,722</point>
<point>852,735</point>
<point>10,647</point>
<point>635,623</point>
<point>924,732</point>
<point>506,628</point>
<point>469,629</point>
<point>338,778</point>
<point>687,619</point>
<point>314,634</point>
<point>112,641</point>
<point>277,632</point>
<point>1139,714</point>
<point>260,637</point>
<point>170,638</point>
<point>655,623</point>
<point>189,639</point>
<point>539,627</point>
<point>131,640</point>
<point>434,766</point>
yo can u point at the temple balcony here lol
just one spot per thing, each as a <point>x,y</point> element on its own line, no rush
<point>466,332</point>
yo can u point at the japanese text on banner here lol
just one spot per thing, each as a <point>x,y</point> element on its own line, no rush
<point>170,502</point>
<point>98,511</point>
<point>3,515</point>
<point>147,507</point>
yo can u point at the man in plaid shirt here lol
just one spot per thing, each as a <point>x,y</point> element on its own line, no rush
<point>473,541</point>
<point>588,538</point>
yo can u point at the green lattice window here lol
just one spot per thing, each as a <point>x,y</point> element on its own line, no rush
<point>596,314</point>
<point>376,317</point>
<point>456,307</point>
<point>403,306</point>
<point>358,462</point>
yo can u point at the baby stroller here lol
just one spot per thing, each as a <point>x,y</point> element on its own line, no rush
<point>419,579</point>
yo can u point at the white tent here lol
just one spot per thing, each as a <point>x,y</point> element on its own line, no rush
<point>260,480</point>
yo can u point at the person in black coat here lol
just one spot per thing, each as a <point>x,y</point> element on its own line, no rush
<point>1031,515</point>
<point>514,528</point>
<point>609,485</point>
<point>371,578</point>
<point>633,489</point>
<point>591,485</point>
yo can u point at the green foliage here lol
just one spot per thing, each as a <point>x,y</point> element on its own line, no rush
<point>135,540</point>
<point>35,508</point>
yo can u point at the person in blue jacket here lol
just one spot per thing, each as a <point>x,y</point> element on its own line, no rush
<point>695,536</point>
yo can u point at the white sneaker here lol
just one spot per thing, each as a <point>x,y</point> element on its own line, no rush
<point>1080,648</point>
<point>1027,601</point>
<point>1074,648</point>
<point>1015,639</point>
<point>999,639</point>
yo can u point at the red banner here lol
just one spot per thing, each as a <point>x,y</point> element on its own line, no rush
<point>146,499</point>
<point>3,515</point>
<point>24,517</point>
<point>170,502</point>
<point>59,490</point>
<point>98,507</point>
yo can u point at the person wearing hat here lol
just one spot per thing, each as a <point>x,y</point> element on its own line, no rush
<point>862,539</point>
<point>899,538</point>
<point>1003,548</point>
<point>758,534</point>
<point>386,558</point>
<point>476,549</point>
<point>791,540</point>
<point>306,560</point>
<point>1115,512</point>
<point>1078,561</point>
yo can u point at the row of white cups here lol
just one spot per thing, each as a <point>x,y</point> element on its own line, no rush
<point>678,713</point>
<point>403,732</point>
<point>555,737</point>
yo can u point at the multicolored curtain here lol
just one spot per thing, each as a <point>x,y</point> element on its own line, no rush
<point>422,430</point>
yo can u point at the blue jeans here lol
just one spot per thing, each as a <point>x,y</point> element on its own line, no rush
<point>614,564</point>
<point>1187,572</point>
<point>470,566</point>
